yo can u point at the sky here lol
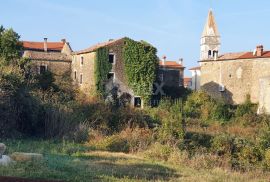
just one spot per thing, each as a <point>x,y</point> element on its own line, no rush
<point>174,27</point>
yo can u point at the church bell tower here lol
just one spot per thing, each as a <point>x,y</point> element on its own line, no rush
<point>210,39</point>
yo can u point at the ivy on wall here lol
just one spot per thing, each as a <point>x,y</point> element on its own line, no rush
<point>141,63</point>
<point>102,68</point>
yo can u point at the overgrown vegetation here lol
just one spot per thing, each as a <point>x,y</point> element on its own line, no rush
<point>141,64</point>
<point>196,131</point>
<point>102,68</point>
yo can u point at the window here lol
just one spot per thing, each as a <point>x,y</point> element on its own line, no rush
<point>42,69</point>
<point>81,79</point>
<point>112,58</point>
<point>82,60</point>
<point>110,76</point>
<point>75,75</point>
<point>137,102</point>
<point>209,53</point>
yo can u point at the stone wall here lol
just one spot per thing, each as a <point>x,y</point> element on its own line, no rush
<point>171,77</point>
<point>118,68</point>
<point>56,67</point>
<point>240,78</point>
<point>264,96</point>
<point>86,70</point>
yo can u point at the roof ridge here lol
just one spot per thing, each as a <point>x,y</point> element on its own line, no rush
<point>98,45</point>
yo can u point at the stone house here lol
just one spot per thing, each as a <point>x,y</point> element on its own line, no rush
<point>170,80</point>
<point>234,76</point>
<point>52,56</point>
<point>83,71</point>
<point>171,73</point>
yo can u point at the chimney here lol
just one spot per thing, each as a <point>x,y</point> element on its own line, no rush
<point>180,61</point>
<point>45,45</point>
<point>63,40</point>
<point>259,50</point>
<point>163,60</point>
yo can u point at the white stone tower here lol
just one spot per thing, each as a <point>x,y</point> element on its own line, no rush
<point>210,40</point>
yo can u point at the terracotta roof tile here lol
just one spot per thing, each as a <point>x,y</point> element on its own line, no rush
<point>171,64</point>
<point>234,55</point>
<point>240,55</point>
<point>51,46</point>
<point>187,79</point>
<point>97,46</point>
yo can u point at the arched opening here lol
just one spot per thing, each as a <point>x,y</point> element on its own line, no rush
<point>209,54</point>
<point>215,54</point>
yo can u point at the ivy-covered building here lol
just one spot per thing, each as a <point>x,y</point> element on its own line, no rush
<point>123,68</point>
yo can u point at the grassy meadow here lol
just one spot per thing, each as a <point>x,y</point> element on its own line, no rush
<point>78,163</point>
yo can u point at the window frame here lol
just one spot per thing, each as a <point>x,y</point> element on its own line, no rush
<point>81,79</point>
<point>81,61</point>
<point>114,57</point>
<point>42,65</point>
<point>113,75</point>
<point>75,74</point>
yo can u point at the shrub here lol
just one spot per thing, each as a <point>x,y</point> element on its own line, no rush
<point>172,129</point>
<point>222,144</point>
<point>248,119</point>
<point>81,133</point>
<point>246,108</point>
<point>195,103</point>
<point>158,151</point>
<point>264,140</point>
<point>114,143</point>
<point>267,158</point>
<point>197,141</point>
<point>221,112</point>
<point>245,155</point>
<point>138,138</point>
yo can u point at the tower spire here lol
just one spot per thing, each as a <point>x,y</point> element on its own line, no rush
<point>210,27</point>
<point>210,39</point>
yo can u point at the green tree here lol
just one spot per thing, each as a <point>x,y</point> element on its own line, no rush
<point>10,46</point>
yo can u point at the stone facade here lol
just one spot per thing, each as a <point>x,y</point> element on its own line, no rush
<point>239,78</point>
<point>52,56</point>
<point>87,69</point>
<point>83,71</point>
<point>234,76</point>
<point>264,96</point>
<point>58,68</point>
